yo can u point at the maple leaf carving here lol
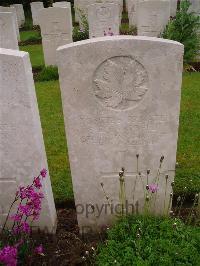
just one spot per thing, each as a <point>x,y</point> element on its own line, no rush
<point>123,80</point>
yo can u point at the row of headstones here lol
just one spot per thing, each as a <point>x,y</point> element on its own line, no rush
<point>150,16</point>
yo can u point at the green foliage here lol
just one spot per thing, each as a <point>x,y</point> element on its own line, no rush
<point>126,30</point>
<point>150,241</point>
<point>48,73</point>
<point>30,37</point>
<point>36,54</point>
<point>184,29</point>
<point>189,141</point>
<point>51,115</point>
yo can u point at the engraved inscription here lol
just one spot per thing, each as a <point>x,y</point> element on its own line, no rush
<point>120,82</point>
<point>103,13</point>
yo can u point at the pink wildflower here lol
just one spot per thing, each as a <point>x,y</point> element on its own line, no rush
<point>39,250</point>
<point>37,182</point>
<point>43,172</point>
<point>8,256</point>
<point>153,188</point>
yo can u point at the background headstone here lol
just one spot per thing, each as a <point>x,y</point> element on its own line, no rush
<point>36,7</point>
<point>132,13</point>
<point>124,101</point>
<point>103,17</point>
<point>8,35</point>
<point>20,14</point>
<point>13,11</point>
<point>22,149</point>
<point>152,17</point>
<point>56,30</point>
<point>62,4</point>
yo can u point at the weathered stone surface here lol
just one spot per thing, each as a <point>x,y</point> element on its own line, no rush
<point>173,7</point>
<point>132,13</point>
<point>36,7</point>
<point>22,152</point>
<point>195,6</point>
<point>152,17</point>
<point>8,35</point>
<point>13,11</point>
<point>62,4</point>
<point>56,30</point>
<point>81,7</point>
<point>124,101</point>
<point>20,14</point>
<point>103,18</point>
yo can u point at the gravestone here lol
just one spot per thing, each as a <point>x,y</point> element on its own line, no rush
<point>173,7</point>
<point>20,14</point>
<point>8,35</point>
<point>195,6</point>
<point>13,11</point>
<point>81,7</point>
<point>103,17</point>
<point>56,30</point>
<point>124,101</point>
<point>152,17</point>
<point>132,13</point>
<point>22,149</point>
<point>62,4</point>
<point>36,7</point>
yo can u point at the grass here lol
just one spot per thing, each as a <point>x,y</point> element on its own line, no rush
<point>49,100</point>
<point>36,54</point>
<point>189,136</point>
<point>29,35</point>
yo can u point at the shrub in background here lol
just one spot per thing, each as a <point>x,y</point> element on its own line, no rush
<point>48,73</point>
<point>82,32</point>
<point>150,241</point>
<point>184,29</point>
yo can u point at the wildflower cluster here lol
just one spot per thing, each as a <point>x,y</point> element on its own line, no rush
<point>29,200</point>
<point>108,33</point>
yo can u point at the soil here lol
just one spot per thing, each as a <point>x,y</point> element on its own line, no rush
<point>66,247</point>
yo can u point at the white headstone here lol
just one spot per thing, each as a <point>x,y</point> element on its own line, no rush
<point>195,6</point>
<point>13,11</point>
<point>36,7</point>
<point>81,7</point>
<point>56,30</point>
<point>173,7</point>
<point>8,35</point>
<point>62,4</point>
<point>20,14</point>
<point>121,97</point>
<point>22,149</point>
<point>103,17</point>
<point>152,17</point>
<point>132,13</point>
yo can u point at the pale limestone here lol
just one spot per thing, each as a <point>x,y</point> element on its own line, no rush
<point>132,12</point>
<point>81,7</point>
<point>20,14</point>
<point>13,11</point>
<point>120,97</point>
<point>195,6</point>
<point>173,7</point>
<point>56,30</point>
<point>152,17</point>
<point>103,18</point>
<point>8,35</point>
<point>22,152</point>
<point>62,4</point>
<point>36,7</point>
